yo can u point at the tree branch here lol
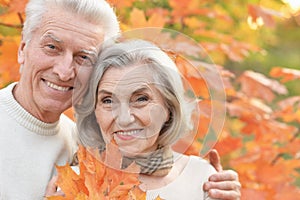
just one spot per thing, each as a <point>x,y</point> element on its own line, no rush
<point>18,26</point>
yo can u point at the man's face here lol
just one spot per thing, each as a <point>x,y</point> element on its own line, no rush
<point>62,50</point>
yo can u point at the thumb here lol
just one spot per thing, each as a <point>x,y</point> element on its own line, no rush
<point>214,160</point>
<point>51,187</point>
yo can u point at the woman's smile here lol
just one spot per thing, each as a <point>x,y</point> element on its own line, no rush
<point>128,135</point>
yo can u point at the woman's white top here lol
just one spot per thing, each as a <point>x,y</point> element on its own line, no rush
<point>189,184</point>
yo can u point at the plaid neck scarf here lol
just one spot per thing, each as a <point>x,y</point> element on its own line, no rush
<point>157,163</point>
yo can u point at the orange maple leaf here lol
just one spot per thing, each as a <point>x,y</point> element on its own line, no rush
<point>121,4</point>
<point>257,85</point>
<point>9,70</point>
<point>97,179</point>
<point>17,6</point>
<point>285,73</point>
<point>138,19</point>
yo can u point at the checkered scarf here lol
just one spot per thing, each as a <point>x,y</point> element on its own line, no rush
<point>158,163</point>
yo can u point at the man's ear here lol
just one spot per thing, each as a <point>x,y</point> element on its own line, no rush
<point>21,55</point>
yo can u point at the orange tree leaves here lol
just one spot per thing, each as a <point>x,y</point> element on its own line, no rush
<point>9,67</point>
<point>257,85</point>
<point>285,73</point>
<point>268,161</point>
<point>265,14</point>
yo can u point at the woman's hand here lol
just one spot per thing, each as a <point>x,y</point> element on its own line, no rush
<point>51,189</point>
<point>224,184</point>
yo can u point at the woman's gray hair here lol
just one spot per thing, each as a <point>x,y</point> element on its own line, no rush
<point>98,12</point>
<point>166,78</point>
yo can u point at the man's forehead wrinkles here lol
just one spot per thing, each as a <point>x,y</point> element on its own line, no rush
<point>91,51</point>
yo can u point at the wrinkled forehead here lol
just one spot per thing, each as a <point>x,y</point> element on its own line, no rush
<point>130,74</point>
<point>128,78</point>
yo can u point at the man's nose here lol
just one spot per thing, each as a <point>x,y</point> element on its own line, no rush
<point>65,68</point>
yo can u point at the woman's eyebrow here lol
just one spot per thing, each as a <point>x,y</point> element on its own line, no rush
<point>102,91</point>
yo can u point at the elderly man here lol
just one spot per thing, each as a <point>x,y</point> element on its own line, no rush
<point>60,43</point>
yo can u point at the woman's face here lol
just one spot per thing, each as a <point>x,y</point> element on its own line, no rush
<point>130,109</point>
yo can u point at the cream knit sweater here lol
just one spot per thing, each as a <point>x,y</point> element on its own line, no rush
<point>29,149</point>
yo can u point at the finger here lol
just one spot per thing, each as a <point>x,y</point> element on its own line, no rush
<point>51,187</point>
<point>226,175</point>
<point>214,160</point>
<point>224,185</point>
<point>224,194</point>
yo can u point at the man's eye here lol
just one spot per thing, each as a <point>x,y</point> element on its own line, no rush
<point>51,46</point>
<point>84,57</point>
<point>84,60</point>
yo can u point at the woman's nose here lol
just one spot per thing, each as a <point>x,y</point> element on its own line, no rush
<point>123,115</point>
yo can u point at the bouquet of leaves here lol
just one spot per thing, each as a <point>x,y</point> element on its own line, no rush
<point>100,177</point>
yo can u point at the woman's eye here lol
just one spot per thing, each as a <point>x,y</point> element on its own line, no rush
<point>142,98</point>
<point>140,101</point>
<point>107,101</point>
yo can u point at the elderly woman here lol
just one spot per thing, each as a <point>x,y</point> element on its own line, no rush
<point>136,98</point>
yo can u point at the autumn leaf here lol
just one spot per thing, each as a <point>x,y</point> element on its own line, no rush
<point>17,6</point>
<point>285,74</point>
<point>248,109</point>
<point>289,109</point>
<point>257,85</point>
<point>70,113</point>
<point>189,7</point>
<point>138,19</point>
<point>9,70</point>
<point>121,4</point>
<point>67,181</point>
<point>228,144</point>
<point>266,14</point>
<point>250,194</point>
<point>96,179</point>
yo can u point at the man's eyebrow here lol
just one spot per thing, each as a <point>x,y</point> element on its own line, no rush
<point>90,52</point>
<point>52,37</point>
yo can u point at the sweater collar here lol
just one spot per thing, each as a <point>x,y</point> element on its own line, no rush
<point>24,118</point>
